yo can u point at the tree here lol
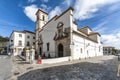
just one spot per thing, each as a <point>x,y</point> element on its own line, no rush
<point>4,39</point>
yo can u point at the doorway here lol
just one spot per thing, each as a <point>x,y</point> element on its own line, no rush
<point>60,50</point>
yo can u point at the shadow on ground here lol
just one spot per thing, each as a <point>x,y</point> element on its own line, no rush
<point>23,63</point>
<point>107,70</point>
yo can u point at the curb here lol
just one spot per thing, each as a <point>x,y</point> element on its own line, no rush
<point>23,58</point>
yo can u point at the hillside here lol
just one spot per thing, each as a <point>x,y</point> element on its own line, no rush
<point>4,39</point>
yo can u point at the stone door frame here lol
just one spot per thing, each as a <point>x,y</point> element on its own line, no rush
<point>60,48</point>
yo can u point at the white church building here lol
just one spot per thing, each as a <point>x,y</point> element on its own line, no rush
<point>60,37</point>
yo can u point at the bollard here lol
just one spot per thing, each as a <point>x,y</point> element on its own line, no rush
<point>32,56</point>
<point>27,56</point>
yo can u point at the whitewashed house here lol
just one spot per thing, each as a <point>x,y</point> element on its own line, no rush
<point>60,37</point>
<point>108,50</point>
<point>20,40</point>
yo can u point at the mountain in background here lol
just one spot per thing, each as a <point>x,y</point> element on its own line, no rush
<point>3,39</point>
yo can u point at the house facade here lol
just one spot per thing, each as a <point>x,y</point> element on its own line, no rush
<point>20,40</point>
<point>108,50</point>
<point>60,37</point>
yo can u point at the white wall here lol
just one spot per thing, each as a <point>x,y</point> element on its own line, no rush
<point>41,23</point>
<point>89,48</point>
<point>74,27</point>
<point>50,29</point>
<point>15,37</point>
<point>55,60</point>
<point>17,49</point>
<point>30,39</point>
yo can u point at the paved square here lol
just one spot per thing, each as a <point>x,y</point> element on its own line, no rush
<point>100,68</point>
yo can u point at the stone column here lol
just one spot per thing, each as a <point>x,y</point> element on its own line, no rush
<point>32,55</point>
<point>27,55</point>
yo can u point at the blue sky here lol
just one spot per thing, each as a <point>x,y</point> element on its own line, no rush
<point>101,16</point>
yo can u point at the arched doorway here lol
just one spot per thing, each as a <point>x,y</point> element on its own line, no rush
<point>60,50</point>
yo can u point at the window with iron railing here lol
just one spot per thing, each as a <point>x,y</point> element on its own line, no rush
<point>28,37</point>
<point>20,35</point>
<point>20,43</point>
<point>28,43</point>
<point>33,37</point>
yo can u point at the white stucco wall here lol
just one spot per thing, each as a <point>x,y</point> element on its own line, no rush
<point>30,39</point>
<point>16,40</point>
<point>50,29</point>
<point>15,37</point>
<point>89,48</point>
<point>74,27</point>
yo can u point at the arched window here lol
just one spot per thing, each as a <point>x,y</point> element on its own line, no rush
<point>43,17</point>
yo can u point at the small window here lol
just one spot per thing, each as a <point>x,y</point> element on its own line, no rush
<point>28,36</point>
<point>48,46</point>
<point>20,43</point>
<point>20,35</point>
<point>33,43</point>
<point>11,40</point>
<point>33,37</point>
<point>43,17</point>
<point>28,43</point>
<point>38,18</point>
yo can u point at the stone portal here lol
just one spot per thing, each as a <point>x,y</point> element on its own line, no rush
<point>60,50</point>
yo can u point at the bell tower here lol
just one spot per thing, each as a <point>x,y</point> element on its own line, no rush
<point>41,20</point>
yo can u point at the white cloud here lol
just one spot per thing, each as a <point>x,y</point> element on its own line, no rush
<point>30,12</point>
<point>67,2</point>
<point>45,7</point>
<point>111,39</point>
<point>56,11</point>
<point>45,1</point>
<point>84,9</point>
<point>32,9</point>
<point>101,27</point>
<point>31,1</point>
<point>114,7</point>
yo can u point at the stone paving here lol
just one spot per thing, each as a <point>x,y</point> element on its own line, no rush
<point>99,68</point>
<point>5,67</point>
